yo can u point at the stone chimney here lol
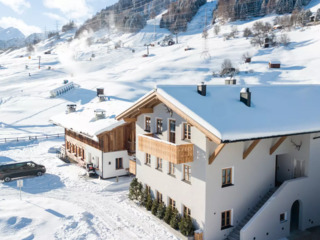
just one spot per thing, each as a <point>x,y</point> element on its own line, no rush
<point>100,113</point>
<point>71,108</point>
<point>100,91</point>
<point>230,81</point>
<point>245,96</point>
<point>202,89</point>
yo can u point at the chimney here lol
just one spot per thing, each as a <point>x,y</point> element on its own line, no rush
<point>100,113</point>
<point>102,98</point>
<point>245,96</point>
<point>202,89</point>
<point>100,91</point>
<point>71,108</point>
<point>230,81</point>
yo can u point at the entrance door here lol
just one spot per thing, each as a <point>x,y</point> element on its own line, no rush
<point>295,216</point>
<point>284,168</point>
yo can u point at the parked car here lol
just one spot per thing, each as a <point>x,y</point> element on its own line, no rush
<point>22,169</point>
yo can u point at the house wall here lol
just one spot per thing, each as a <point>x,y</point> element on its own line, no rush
<point>252,179</point>
<point>304,189</point>
<point>72,155</point>
<point>109,164</point>
<point>189,194</point>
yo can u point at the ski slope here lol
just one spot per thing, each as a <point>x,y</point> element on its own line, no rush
<point>65,205</point>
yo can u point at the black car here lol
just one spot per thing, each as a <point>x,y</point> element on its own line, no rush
<point>22,169</point>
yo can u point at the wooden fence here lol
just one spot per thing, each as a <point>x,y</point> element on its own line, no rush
<point>30,138</point>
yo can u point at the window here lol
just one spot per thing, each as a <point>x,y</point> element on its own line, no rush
<point>172,203</point>
<point>159,126</point>
<point>226,177</point>
<point>159,197</point>
<point>186,173</point>
<point>148,159</point>
<point>147,124</point>
<point>225,219</point>
<point>171,168</point>
<point>119,163</point>
<point>283,217</point>
<point>172,131</point>
<point>186,211</point>
<point>159,163</point>
<point>186,131</point>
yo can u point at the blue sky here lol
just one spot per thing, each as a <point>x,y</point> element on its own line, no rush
<point>31,16</point>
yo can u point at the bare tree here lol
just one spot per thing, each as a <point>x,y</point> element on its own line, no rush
<point>247,33</point>
<point>216,29</point>
<point>284,39</point>
<point>30,48</point>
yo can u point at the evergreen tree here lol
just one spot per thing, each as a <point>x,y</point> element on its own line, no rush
<point>135,190</point>
<point>168,214</point>
<point>154,207</point>
<point>149,202</point>
<point>161,210</point>
<point>186,226</point>
<point>175,219</point>
<point>144,197</point>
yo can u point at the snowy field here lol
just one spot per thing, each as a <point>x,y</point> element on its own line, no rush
<point>63,204</point>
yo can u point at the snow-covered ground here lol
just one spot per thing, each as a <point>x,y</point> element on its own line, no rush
<point>64,205</point>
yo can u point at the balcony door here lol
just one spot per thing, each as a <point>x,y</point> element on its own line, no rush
<point>172,131</point>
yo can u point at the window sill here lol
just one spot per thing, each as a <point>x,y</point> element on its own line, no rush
<point>149,165</point>
<point>171,175</point>
<point>187,140</point>
<point>146,130</point>
<point>226,227</point>
<point>159,169</point>
<point>119,168</point>
<point>186,181</point>
<point>227,185</point>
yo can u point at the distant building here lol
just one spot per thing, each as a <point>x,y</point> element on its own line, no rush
<point>93,135</point>
<point>243,163</point>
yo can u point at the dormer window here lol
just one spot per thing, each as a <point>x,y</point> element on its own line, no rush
<point>186,131</point>
<point>147,124</point>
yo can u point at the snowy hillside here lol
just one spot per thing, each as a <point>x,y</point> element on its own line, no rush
<point>59,197</point>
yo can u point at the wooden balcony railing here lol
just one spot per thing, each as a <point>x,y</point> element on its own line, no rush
<point>174,153</point>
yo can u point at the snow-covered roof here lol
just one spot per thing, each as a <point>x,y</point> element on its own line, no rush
<point>84,120</point>
<point>275,110</point>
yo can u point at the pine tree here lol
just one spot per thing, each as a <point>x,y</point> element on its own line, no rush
<point>161,210</point>
<point>175,219</point>
<point>168,214</point>
<point>149,202</point>
<point>154,207</point>
<point>144,197</point>
<point>132,189</point>
<point>186,226</point>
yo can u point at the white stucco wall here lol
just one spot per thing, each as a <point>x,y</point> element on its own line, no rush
<point>190,195</point>
<point>109,164</point>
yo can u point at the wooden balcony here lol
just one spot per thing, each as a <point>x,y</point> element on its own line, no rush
<point>132,167</point>
<point>171,152</point>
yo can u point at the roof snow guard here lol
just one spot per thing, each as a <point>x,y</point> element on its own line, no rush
<point>278,110</point>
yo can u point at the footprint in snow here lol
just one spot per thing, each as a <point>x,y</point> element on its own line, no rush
<point>12,220</point>
<point>23,223</point>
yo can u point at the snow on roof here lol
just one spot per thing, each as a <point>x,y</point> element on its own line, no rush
<point>84,119</point>
<point>275,110</point>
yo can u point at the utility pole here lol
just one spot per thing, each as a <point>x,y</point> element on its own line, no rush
<point>39,61</point>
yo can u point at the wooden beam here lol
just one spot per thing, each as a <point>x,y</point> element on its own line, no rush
<point>250,148</point>
<point>216,152</point>
<point>277,144</point>
<point>129,120</point>
<point>146,110</point>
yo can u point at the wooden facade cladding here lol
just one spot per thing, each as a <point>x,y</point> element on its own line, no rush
<point>132,167</point>
<point>118,139</point>
<point>174,153</point>
<point>82,138</point>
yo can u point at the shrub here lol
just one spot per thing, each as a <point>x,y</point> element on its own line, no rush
<point>284,39</point>
<point>149,202</point>
<point>135,190</point>
<point>247,32</point>
<point>175,219</point>
<point>186,226</point>
<point>161,210</point>
<point>144,197</point>
<point>154,207</point>
<point>168,214</point>
<point>216,29</point>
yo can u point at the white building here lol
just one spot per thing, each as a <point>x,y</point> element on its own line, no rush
<point>244,169</point>
<point>93,135</point>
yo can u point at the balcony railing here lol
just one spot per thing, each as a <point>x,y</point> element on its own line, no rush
<point>174,153</point>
